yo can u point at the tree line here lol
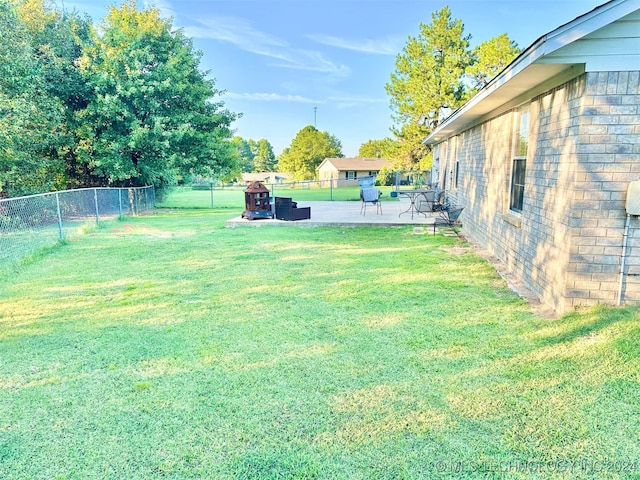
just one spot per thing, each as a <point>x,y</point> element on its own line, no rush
<point>436,72</point>
<point>254,156</point>
<point>123,103</point>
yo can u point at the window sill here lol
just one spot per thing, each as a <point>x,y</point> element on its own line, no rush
<point>512,219</point>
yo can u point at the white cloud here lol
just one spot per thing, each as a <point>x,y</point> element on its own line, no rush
<point>347,102</point>
<point>243,35</point>
<point>270,97</point>
<point>237,31</point>
<point>164,6</point>
<point>337,101</point>
<point>390,45</point>
<point>358,99</point>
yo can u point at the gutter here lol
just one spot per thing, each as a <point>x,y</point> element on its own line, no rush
<point>543,46</point>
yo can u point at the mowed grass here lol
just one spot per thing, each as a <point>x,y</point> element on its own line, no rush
<point>167,346</point>
<point>233,198</point>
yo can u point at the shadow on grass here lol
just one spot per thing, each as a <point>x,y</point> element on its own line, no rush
<point>583,324</point>
<point>260,464</point>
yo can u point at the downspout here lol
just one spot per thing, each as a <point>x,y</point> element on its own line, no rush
<point>625,236</point>
<point>632,207</point>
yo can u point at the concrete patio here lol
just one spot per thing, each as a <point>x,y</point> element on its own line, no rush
<point>347,214</point>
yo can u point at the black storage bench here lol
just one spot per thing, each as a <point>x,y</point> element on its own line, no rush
<point>286,209</point>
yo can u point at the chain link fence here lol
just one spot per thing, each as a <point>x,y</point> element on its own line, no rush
<point>28,224</point>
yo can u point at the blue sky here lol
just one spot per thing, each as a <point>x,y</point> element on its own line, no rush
<point>286,64</point>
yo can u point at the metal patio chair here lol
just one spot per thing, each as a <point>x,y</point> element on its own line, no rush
<point>431,201</point>
<point>370,195</point>
<point>448,218</point>
<point>425,202</point>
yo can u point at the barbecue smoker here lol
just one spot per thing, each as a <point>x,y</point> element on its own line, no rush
<point>256,202</point>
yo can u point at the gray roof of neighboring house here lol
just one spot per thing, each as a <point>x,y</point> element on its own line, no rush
<point>251,177</point>
<point>358,164</point>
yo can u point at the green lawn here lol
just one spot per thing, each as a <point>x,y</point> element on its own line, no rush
<point>166,346</point>
<point>183,197</point>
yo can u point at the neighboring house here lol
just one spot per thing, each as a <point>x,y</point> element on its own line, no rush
<point>542,157</point>
<point>264,177</point>
<point>346,171</point>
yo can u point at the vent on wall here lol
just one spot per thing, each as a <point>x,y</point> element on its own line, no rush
<point>633,198</point>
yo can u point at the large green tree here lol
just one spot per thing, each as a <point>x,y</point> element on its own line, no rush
<point>427,83</point>
<point>490,58</point>
<point>254,156</point>
<point>383,148</point>
<point>30,118</point>
<point>265,159</point>
<point>58,40</point>
<point>308,149</point>
<point>153,117</point>
<point>245,154</point>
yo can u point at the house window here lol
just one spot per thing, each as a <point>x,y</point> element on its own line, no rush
<point>351,175</point>
<point>517,183</point>
<point>518,170</point>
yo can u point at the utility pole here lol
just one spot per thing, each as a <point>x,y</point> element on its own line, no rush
<point>314,116</point>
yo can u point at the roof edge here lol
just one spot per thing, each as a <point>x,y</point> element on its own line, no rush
<point>548,43</point>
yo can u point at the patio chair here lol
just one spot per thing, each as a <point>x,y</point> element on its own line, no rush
<point>441,202</point>
<point>370,195</point>
<point>426,202</point>
<point>431,201</point>
<point>448,218</point>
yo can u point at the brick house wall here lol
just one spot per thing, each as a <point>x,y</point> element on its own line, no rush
<point>608,156</point>
<point>584,149</point>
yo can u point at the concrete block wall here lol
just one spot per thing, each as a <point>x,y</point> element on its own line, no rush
<point>584,150</point>
<point>550,191</point>
<point>532,245</point>
<point>608,159</point>
<point>484,156</point>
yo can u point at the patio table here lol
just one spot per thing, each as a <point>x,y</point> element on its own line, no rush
<point>412,195</point>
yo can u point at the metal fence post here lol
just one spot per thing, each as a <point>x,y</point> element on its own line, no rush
<point>27,216</point>
<point>95,199</point>
<point>59,217</point>
<point>331,187</point>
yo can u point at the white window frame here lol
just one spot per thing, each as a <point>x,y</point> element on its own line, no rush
<point>521,140</point>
